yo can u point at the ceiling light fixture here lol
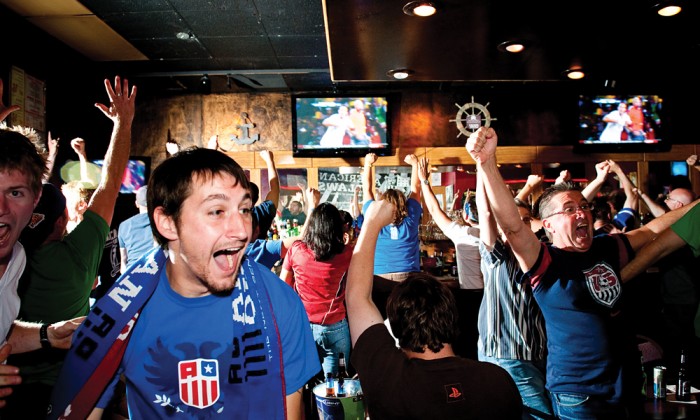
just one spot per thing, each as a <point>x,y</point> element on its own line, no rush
<point>205,84</point>
<point>184,35</point>
<point>511,47</point>
<point>399,74</point>
<point>575,73</point>
<point>420,8</point>
<point>667,8</point>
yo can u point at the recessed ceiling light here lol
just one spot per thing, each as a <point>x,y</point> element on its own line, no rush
<point>419,8</point>
<point>511,47</point>
<point>399,74</point>
<point>575,73</point>
<point>667,9</point>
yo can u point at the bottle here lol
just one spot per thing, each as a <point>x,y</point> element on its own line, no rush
<point>683,385</point>
<point>341,387</point>
<point>644,377</point>
<point>342,371</point>
<point>330,385</point>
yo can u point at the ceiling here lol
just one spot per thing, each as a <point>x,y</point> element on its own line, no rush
<point>312,45</point>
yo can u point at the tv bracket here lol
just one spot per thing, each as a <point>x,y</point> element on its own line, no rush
<point>471,116</point>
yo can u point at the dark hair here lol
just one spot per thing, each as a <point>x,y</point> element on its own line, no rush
<point>254,192</point>
<point>601,209</point>
<point>550,192</point>
<point>324,232</point>
<point>171,181</point>
<point>398,199</point>
<point>521,203</point>
<point>422,313</point>
<point>18,153</point>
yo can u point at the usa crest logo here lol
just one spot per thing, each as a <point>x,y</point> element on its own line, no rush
<point>199,382</point>
<point>603,284</point>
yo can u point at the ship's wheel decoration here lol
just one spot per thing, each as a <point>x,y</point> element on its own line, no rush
<point>471,116</point>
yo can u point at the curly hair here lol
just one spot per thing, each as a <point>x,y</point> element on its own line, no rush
<point>324,232</point>
<point>398,199</point>
<point>422,313</point>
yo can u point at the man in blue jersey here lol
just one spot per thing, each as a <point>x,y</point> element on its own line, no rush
<point>577,284</point>
<point>220,335</point>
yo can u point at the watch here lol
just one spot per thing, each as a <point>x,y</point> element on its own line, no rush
<point>44,336</point>
<point>426,181</point>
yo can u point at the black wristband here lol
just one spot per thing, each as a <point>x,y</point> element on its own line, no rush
<point>44,336</point>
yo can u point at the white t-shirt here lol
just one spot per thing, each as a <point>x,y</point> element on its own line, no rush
<point>466,240</point>
<point>9,299</point>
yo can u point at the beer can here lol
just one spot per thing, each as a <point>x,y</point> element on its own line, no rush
<point>660,382</point>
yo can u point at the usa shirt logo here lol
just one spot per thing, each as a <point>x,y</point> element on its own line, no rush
<point>603,284</point>
<point>199,382</point>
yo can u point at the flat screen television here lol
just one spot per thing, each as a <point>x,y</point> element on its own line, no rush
<point>622,123</point>
<point>341,125</point>
<point>135,174</point>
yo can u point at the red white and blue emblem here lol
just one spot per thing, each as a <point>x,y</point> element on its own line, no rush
<point>603,284</point>
<point>199,382</point>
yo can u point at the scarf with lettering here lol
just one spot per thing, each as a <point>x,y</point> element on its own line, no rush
<point>99,343</point>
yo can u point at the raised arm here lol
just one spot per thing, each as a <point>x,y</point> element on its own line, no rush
<point>647,233</point>
<point>482,147</point>
<point>533,181</point>
<point>52,146</point>
<point>272,177</point>
<point>667,242</point>
<point>362,312</point>
<point>631,200</point>
<point>692,161</point>
<point>438,215</point>
<point>415,184</point>
<point>601,170</point>
<point>488,229</point>
<point>121,112</point>
<point>654,207</point>
<point>78,146</point>
<point>355,208</point>
<point>368,177</point>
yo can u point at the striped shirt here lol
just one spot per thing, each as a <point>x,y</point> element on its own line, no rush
<point>511,325</point>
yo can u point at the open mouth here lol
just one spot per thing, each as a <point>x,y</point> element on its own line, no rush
<point>226,258</point>
<point>582,231</point>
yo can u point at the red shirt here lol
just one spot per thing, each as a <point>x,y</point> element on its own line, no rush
<point>320,284</point>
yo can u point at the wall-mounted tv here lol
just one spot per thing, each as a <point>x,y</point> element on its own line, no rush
<point>341,125</point>
<point>135,174</point>
<point>622,123</point>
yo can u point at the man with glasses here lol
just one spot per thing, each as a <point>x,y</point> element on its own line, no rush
<point>576,282</point>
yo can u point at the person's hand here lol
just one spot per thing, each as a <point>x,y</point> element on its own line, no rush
<point>692,160</point>
<point>5,111</point>
<point>358,189</point>
<point>481,144</point>
<point>534,180</point>
<point>121,102</point>
<point>9,375</point>
<point>312,196</point>
<point>370,158</point>
<point>564,176</point>
<point>381,212</point>
<point>602,169</point>
<point>78,146</point>
<point>60,333</point>
<point>266,155</point>
<point>411,159</point>
<point>423,169</point>
<point>171,147</point>
<point>213,142</point>
<point>52,145</point>
<point>614,167</point>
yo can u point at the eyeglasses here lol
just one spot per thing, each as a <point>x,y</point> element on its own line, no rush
<point>672,199</point>
<point>571,210</point>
